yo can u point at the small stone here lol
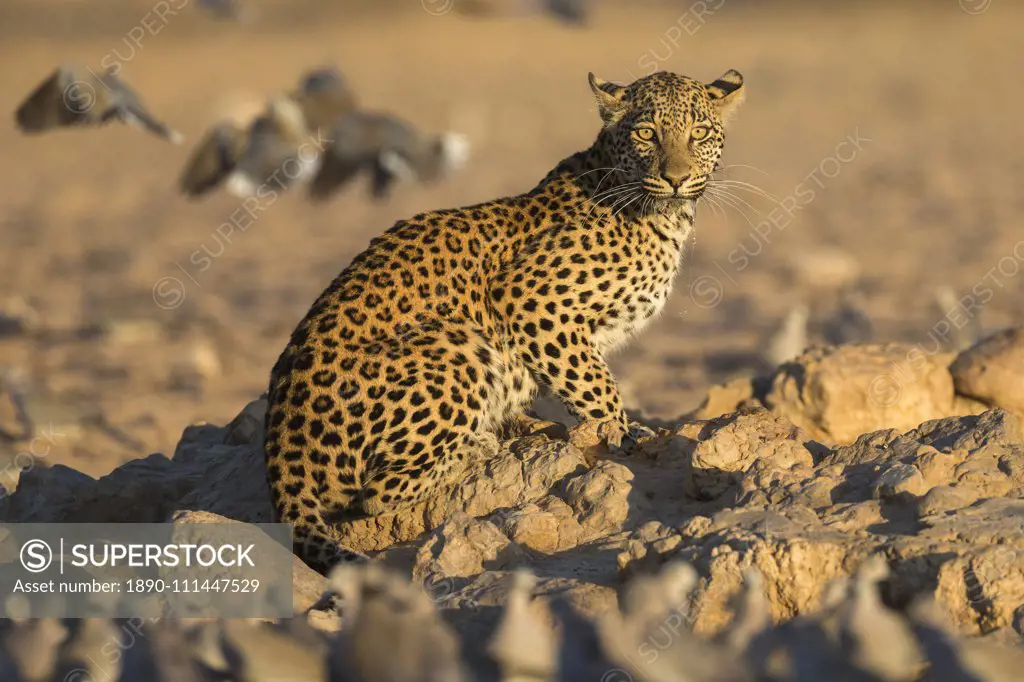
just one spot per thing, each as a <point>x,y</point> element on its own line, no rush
<point>132,332</point>
<point>993,370</point>
<point>323,621</point>
<point>247,427</point>
<point>724,398</point>
<point>533,528</point>
<point>18,317</point>
<point>600,497</point>
<point>838,393</point>
<point>898,480</point>
<point>945,498</point>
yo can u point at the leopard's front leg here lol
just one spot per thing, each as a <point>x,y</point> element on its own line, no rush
<point>567,362</point>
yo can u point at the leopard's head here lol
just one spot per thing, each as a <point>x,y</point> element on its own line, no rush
<point>666,132</point>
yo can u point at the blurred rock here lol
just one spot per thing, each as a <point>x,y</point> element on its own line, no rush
<point>993,370</point>
<point>726,398</point>
<point>42,491</point>
<point>255,652</point>
<point>393,632</point>
<point>149,490</point>
<point>789,340</point>
<point>876,639</point>
<point>524,646</point>
<point>572,12</point>
<point>308,586</point>
<point>18,317</point>
<point>655,625</point>
<point>128,332</point>
<point>228,10</point>
<point>158,649</point>
<point>752,614</point>
<point>838,393</point>
<point>29,650</point>
<point>200,364</point>
<point>86,653</point>
<point>848,323</point>
<point>247,427</point>
<point>824,269</point>
<point>36,421</point>
<point>958,660</point>
<point>238,106</point>
<point>141,491</point>
<point>965,325</point>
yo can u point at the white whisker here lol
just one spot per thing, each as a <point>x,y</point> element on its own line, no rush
<point>638,196</point>
<point>744,165</point>
<point>754,189</point>
<point>610,169</point>
<point>727,201</point>
<point>603,178</point>
<point>611,193</point>
<point>726,191</point>
<point>624,197</point>
<point>615,194</point>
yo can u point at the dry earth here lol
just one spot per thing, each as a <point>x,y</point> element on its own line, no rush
<point>791,478</point>
<point>92,221</point>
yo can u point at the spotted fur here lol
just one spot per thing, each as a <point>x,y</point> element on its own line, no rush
<point>439,333</point>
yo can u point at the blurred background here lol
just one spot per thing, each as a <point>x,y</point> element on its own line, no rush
<point>887,134</point>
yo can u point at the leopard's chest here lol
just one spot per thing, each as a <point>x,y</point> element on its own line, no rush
<point>632,307</point>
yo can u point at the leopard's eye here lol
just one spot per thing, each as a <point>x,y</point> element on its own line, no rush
<point>698,133</point>
<point>644,134</point>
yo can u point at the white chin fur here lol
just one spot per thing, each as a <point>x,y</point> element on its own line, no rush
<point>456,148</point>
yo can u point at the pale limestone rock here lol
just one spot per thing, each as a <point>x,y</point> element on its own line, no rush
<point>992,370</point>
<point>836,393</point>
<point>600,498</point>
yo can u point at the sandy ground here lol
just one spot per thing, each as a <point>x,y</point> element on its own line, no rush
<point>891,136</point>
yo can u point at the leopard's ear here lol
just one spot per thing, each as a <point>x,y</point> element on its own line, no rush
<point>611,99</point>
<point>727,93</point>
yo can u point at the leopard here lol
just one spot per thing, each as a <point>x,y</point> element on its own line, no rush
<point>440,333</point>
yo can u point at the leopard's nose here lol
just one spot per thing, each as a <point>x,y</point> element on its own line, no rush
<point>674,180</point>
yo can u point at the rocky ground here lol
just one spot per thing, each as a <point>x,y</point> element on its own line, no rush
<point>804,525</point>
<point>854,514</point>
